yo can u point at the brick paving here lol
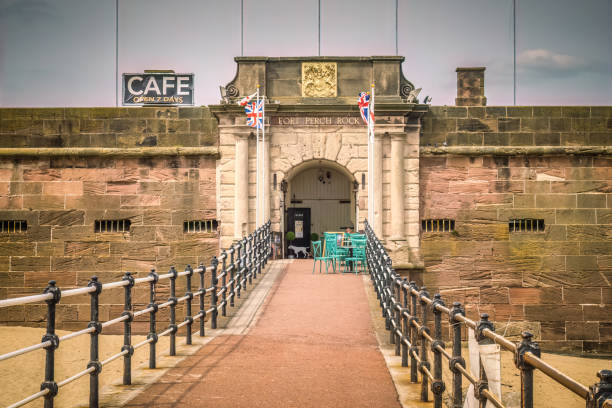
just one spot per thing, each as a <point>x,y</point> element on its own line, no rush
<point>312,346</point>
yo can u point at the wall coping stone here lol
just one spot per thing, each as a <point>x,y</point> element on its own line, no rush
<point>109,152</point>
<point>514,150</point>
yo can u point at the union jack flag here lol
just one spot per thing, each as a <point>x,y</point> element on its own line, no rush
<point>364,107</point>
<point>254,112</point>
<point>244,101</point>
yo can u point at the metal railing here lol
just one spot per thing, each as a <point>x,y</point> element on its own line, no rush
<point>409,331</point>
<point>240,264</point>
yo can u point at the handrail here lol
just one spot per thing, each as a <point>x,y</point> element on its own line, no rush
<point>247,260</point>
<point>408,326</point>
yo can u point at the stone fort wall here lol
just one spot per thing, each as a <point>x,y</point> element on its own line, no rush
<point>504,163</point>
<point>480,166</point>
<point>61,197</point>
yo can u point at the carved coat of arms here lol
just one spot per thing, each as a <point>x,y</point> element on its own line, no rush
<point>319,79</point>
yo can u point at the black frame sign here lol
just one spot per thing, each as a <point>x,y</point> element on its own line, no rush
<point>158,88</point>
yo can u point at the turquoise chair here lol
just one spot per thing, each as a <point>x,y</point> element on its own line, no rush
<point>358,257</point>
<point>357,260</point>
<point>317,256</point>
<point>331,249</point>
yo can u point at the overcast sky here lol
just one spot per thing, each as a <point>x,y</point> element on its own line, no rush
<point>62,52</point>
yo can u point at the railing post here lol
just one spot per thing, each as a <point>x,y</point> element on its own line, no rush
<point>266,233</point>
<point>127,329</point>
<point>94,349</point>
<point>173,311</point>
<point>456,359</point>
<point>224,284</point>
<point>51,337</point>
<point>398,315</point>
<point>237,284</point>
<point>378,284</point>
<point>526,345</point>
<point>413,333</point>
<point>424,329</point>
<point>601,391</point>
<point>243,265</point>
<point>483,384</point>
<point>189,294</point>
<point>262,260</point>
<point>232,275</point>
<point>252,270</point>
<point>388,289</point>
<point>257,252</point>
<point>438,386</point>
<point>269,241</point>
<point>202,294</point>
<point>405,329</point>
<point>152,334</point>
<point>213,296</point>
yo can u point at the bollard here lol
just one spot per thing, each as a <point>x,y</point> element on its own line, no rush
<point>213,296</point>
<point>94,348</point>
<point>50,336</point>
<point>152,334</point>
<point>189,294</point>
<point>127,329</point>
<point>457,310</point>
<point>202,294</point>
<point>526,345</point>
<point>438,386</point>
<point>173,311</point>
<point>424,329</point>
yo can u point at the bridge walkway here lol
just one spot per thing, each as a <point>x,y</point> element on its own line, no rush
<point>312,344</point>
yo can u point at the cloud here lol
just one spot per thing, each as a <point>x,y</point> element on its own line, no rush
<point>550,63</point>
<point>26,10</point>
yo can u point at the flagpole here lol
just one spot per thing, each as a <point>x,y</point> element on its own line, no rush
<point>263,148</point>
<point>369,175</point>
<point>371,141</point>
<point>256,160</point>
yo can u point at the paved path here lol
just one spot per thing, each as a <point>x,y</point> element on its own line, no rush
<point>313,345</point>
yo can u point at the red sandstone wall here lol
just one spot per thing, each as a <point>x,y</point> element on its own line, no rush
<point>61,198</point>
<point>558,281</point>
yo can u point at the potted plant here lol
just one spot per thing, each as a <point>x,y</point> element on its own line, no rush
<point>290,236</point>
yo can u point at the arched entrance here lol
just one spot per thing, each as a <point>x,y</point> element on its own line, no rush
<point>320,197</point>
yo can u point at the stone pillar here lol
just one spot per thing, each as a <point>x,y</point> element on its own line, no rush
<point>397,186</point>
<point>241,187</point>
<point>470,87</point>
<point>411,150</point>
<point>377,181</point>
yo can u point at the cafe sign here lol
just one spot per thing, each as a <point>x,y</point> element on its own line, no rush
<point>158,88</point>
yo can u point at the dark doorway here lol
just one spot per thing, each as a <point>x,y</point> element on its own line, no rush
<point>298,221</point>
